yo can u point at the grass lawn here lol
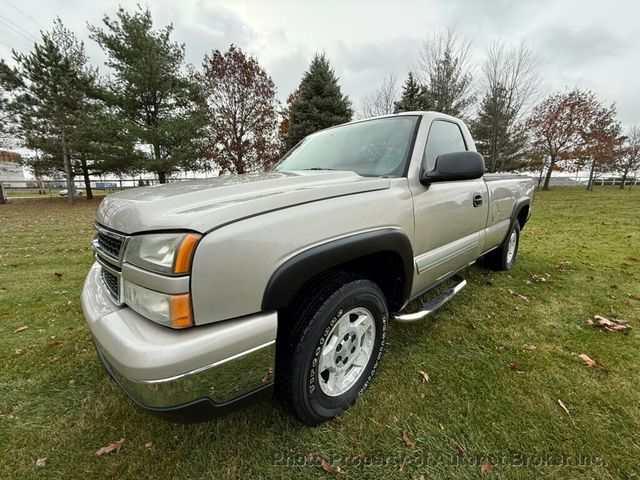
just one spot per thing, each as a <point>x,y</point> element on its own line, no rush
<point>498,365</point>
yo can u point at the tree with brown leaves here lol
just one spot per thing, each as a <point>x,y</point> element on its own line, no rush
<point>242,112</point>
<point>569,127</point>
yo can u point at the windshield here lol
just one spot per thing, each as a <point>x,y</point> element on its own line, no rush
<point>372,148</point>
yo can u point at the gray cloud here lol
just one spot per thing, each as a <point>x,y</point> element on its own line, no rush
<point>584,43</point>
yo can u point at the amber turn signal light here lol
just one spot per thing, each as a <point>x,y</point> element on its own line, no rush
<point>180,311</point>
<point>185,252</point>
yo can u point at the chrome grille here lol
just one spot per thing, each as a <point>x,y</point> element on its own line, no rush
<point>110,244</point>
<point>109,248</point>
<point>111,283</point>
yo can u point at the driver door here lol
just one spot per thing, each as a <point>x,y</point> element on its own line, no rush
<point>448,219</point>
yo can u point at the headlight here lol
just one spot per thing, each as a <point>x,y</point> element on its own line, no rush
<point>170,310</point>
<point>162,252</point>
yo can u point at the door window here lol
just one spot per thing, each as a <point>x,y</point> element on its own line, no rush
<point>444,137</point>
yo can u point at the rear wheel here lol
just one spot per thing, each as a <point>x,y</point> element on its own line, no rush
<point>335,340</point>
<point>504,257</point>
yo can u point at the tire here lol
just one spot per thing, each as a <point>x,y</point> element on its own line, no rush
<point>338,313</point>
<point>503,258</point>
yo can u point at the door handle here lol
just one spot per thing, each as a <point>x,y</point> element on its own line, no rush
<point>477,200</point>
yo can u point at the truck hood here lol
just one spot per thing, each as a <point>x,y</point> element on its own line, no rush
<point>202,205</point>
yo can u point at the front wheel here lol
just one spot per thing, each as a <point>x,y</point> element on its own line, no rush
<point>504,257</point>
<point>334,345</point>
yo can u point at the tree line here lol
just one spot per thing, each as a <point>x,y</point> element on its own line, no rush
<point>153,113</point>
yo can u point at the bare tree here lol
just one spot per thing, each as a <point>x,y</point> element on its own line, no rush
<point>629,162</point>
<point>509,83</point>
<point>444,67</point>
<point>382,100</point>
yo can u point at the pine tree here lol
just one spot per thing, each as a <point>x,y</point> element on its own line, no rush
<point>413,97</point>
<point>50,88</point>
<point>497,134</point>
<point>320,103</point>
<point>161,106</point>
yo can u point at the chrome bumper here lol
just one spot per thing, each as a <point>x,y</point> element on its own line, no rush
<point>163,368</point>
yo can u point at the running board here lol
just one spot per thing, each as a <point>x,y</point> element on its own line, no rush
<point>433,304</point>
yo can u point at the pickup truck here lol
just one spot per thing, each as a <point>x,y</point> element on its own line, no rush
<point>208,295</point>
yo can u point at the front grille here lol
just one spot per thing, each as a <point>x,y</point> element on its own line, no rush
<point>112,284</point>
<point>110,244</point>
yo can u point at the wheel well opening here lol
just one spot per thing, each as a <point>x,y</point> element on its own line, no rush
<point>523,214</point>
<point>383,268</point>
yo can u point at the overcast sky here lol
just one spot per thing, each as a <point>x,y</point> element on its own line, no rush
<point>588,44</point>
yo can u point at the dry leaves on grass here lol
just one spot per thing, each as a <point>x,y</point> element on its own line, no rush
<point>563,267</point>
<point>21,329</point>
<point>458,447</point>
<point>408,442</point>
<point>112,447</point>
<point>425,376</point>
<point>563,406</point>
<point>609,325</point>
<point>41,462</point>
<point>591,362</point>
<point>327,467</point>
<point>515,367</point>
<point>521,297</point>
<point>487,468</point>
<point>539,278</point>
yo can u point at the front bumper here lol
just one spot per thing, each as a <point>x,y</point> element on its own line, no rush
<point>185,375</point>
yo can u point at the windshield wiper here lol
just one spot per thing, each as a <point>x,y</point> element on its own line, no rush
<point>320,168</point>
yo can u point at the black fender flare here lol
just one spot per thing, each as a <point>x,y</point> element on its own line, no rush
<point>517,208</point>
<point>289,277</point>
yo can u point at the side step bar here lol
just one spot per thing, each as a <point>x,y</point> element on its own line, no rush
<point>433,304</point>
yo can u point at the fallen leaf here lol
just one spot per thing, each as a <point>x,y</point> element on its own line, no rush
<point>327,467</point>
<point>72,382</point>
<point>57,275</point>
<point>41,462</point>
<point>148,445</point>
<point>267,375</point>
<point>407,440</point>
<point>441,426</point>
<point>590,362</point>
<point>112,447</point>
<point>18,351</point>
<point>487,468</point>
<point>530,347</point>
<point>563,267</point>
<point>515,367</point>
<point>563,406</point>
<point>609,325</point>
<point>21,329</point>
<point>457,446</point>
<point>425,376</point>
<point>522,297</point>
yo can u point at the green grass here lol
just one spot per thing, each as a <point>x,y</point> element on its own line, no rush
<point>56,400</point>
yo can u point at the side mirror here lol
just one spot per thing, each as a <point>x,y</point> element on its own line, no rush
<point>454,166</point>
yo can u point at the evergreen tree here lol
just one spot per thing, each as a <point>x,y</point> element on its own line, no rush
<point>497,134</point>
<point>51,87</point>
<point>413,97</point>
<point>444,69</point>
<point>320,102</point>
<point>161,106</point>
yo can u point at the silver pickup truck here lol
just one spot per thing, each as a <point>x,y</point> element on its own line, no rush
<point>210,294</point>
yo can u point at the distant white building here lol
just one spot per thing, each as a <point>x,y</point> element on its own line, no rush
<point>11,172</point>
